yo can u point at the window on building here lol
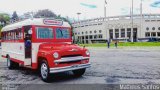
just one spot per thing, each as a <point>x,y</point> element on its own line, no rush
<point>147,28</point>
<point>95,36</point>
<point>82,32</point>
<point>100,36</point>
<point>86,37</point>
<point>100,31</point>
<point>147,34</point>
<point>90,37</point>
<point>116,30</point>
<point>129,32</point>
<point>158,34</point>
<point>95,31</point>
<point>147,20</point>
<point>111,33</point>
<point>153,28</point>
<point>82,37</point>
<point>86,32</point>
<point>117,33</point>
<point>122,32</point>
<point>153,34</point>
<point>158,28</point>
<point>95,24</point>
<point>90,32</point>
<point>134,33</point>
<point>99,23</point>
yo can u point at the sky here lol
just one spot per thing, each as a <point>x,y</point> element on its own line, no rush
<point>87,8</point>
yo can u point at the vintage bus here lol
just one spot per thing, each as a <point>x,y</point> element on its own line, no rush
<point>44,45</point>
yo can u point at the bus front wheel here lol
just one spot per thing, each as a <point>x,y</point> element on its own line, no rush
<point>44,71</point>
<point>9,63</point>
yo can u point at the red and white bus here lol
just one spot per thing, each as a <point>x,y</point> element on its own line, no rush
<point>45,45</point>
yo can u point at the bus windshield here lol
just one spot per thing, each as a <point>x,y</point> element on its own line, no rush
<point>44,33</point>
<point>48,33</point>
<point>62,33</point>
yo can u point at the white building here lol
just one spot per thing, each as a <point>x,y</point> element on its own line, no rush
<point>117,27</point>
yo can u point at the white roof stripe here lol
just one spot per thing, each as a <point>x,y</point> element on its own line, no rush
<point>34,21</point>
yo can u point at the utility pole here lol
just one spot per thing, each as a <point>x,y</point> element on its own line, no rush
<point>105,16</point>
<point>141,17</point>
<point>132,23</point>
<point>105,4</point>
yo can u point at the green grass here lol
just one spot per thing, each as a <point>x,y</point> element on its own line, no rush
<point>125,44</point>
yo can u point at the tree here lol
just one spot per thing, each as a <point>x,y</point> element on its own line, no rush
<point>4,16</point>
<point>45,14</point>
<point>4,19</point>
<point>14,16</point>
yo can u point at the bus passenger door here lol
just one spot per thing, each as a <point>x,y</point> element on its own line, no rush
<point>28,45</point>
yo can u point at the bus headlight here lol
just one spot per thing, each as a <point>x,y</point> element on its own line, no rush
<point>87,53</point>
<point>55,55</point>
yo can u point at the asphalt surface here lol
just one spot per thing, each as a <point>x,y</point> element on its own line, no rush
<point>109,66</point>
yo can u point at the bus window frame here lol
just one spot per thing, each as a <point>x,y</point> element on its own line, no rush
<point>44,27</point>
<point>35,39</point>
<point>62,29</point>
<point>8,37</point>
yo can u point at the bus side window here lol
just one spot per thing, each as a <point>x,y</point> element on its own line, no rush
<point>9,36</point>
<point>2,35</point>
<point>6,36</point>
<point>14,35</point>
<point>17,34</point>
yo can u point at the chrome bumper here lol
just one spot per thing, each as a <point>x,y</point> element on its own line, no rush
<point>69,68</point>
<point>71,59</point>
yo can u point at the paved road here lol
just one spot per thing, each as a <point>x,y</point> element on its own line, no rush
<point>109,66</point>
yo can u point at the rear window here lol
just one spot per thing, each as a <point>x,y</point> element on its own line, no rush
<point>44,33</point>
<point>62,33</point>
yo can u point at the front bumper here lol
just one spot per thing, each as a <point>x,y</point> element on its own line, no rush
<point>71,59</point>
<point>69,68</point>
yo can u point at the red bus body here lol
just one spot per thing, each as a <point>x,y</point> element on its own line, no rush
<point>69,56</point>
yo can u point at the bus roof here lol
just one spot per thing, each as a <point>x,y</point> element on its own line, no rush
<point>36,21</point>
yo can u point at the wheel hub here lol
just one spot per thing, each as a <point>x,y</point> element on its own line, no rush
<point>44,71</point>
<point>8,62</point>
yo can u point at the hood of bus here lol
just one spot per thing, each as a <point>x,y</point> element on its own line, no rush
<point>63,49</point>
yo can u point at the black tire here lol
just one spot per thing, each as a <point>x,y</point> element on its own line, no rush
<point>79,72</point>
<point>11,64</point>
<point>44,71</point>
